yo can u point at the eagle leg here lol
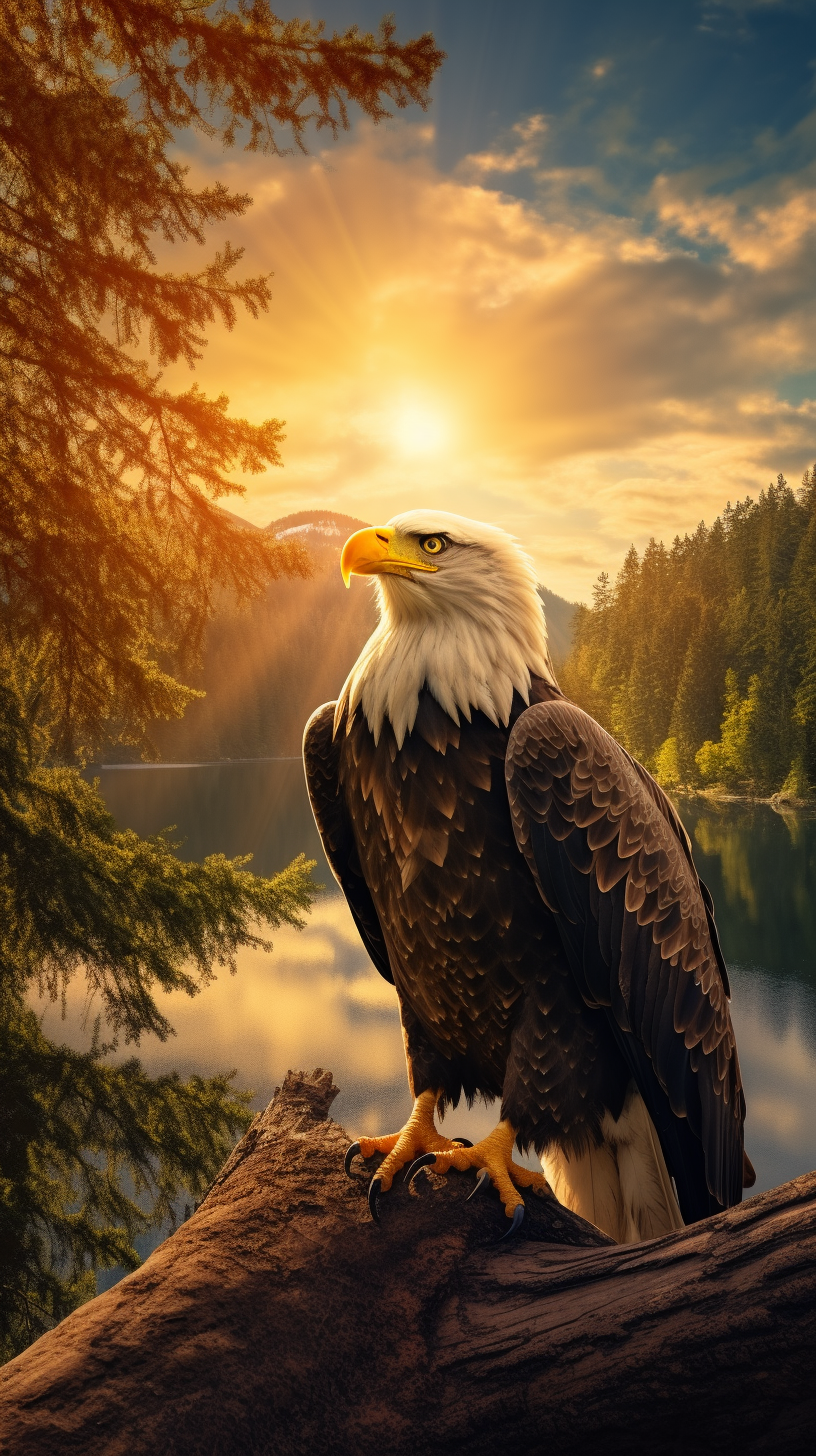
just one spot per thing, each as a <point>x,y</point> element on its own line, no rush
<point>419,1135</point>
<point>493,1155</point>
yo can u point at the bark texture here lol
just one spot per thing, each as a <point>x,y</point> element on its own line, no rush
<point>279,1320</point>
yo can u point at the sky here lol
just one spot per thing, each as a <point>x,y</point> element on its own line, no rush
<point>574,297</point>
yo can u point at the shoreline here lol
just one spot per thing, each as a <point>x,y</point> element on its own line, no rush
<point>778,802</point>
<point>196,762</point>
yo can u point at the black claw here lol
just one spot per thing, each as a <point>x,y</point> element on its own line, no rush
<point>423,1161</point>
<point>518,1220</point>
<point>462,1142</point>
<point>373,1198</point>
<point>349,1158</point>
<point>484,1177</point>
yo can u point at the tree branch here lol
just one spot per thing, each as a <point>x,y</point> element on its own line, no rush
<point>280,1320</point>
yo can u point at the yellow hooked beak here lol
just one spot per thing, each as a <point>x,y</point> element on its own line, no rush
<point>378,551</point>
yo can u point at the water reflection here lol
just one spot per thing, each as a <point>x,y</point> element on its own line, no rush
<point>760,866</point>
<point>256,807</point>
<point>775,1024</point>
<point>317,1000</point>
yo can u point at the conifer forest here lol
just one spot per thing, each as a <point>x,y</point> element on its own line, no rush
<point>701,659</point>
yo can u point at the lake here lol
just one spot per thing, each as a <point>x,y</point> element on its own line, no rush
<point>316,1000</point>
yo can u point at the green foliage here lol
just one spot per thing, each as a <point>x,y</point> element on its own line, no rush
<point>113,558</point>
<point>732,760</point>
<point>702,659</point>
<point>667,767</point>
<point>92,1155</point>
<point>78,894</point>
<point>111,548</point>
<point>796,785</point>
<point>712,764</point>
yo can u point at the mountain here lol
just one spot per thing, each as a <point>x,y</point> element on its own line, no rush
<point>560,617</point>
<point>316,527</point>
<point>267,669</point>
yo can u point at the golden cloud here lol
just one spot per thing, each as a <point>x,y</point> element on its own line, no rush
<point>761,227</point>
<point>570,375</point>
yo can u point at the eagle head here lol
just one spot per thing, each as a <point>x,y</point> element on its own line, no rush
<point>460,614</point>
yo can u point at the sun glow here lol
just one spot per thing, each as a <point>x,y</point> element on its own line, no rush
<point>419,430</point>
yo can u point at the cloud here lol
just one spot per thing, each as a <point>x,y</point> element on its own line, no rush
<point>587,380</point>
<point>763,227</point>
<point>528,137</point>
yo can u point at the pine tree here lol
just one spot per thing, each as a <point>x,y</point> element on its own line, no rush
<point>112,553</point>
<point>632,709</point>
<point>733,761</point>
<point>110,544</point>
<point>698,703</point>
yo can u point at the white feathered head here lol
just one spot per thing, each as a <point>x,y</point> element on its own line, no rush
<point>459,613</point>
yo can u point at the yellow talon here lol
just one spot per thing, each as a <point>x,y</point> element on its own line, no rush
<point>419,1135</point>
<point>495,1154</point>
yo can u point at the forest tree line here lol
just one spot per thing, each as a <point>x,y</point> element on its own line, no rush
<point>701,659</point>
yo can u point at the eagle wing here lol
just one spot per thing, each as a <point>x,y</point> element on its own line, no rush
<point>321,759</point>
<point>613,863</point>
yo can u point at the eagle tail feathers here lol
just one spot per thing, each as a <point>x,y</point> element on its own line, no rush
<point>622,1184</point>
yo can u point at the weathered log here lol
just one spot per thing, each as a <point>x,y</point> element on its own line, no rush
<point>280,1320</point>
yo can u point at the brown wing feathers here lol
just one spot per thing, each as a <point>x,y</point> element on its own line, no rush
<point>321,755</point>
<point>610,862</point>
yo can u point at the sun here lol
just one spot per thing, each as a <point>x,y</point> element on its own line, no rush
<point>419,429</point>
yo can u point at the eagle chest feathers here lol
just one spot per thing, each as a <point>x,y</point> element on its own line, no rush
<point>469,939</point>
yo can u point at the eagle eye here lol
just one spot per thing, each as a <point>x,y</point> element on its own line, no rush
<point>433,544</point>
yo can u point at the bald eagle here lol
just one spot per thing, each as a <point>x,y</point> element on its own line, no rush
<point>530,892</point>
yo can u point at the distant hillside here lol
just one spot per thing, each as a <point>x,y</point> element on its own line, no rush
<point>265,671</point>
<point>560,617</point>
<point>312,524</point>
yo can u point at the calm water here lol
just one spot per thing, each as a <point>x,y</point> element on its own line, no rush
<point>316,1000</point>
